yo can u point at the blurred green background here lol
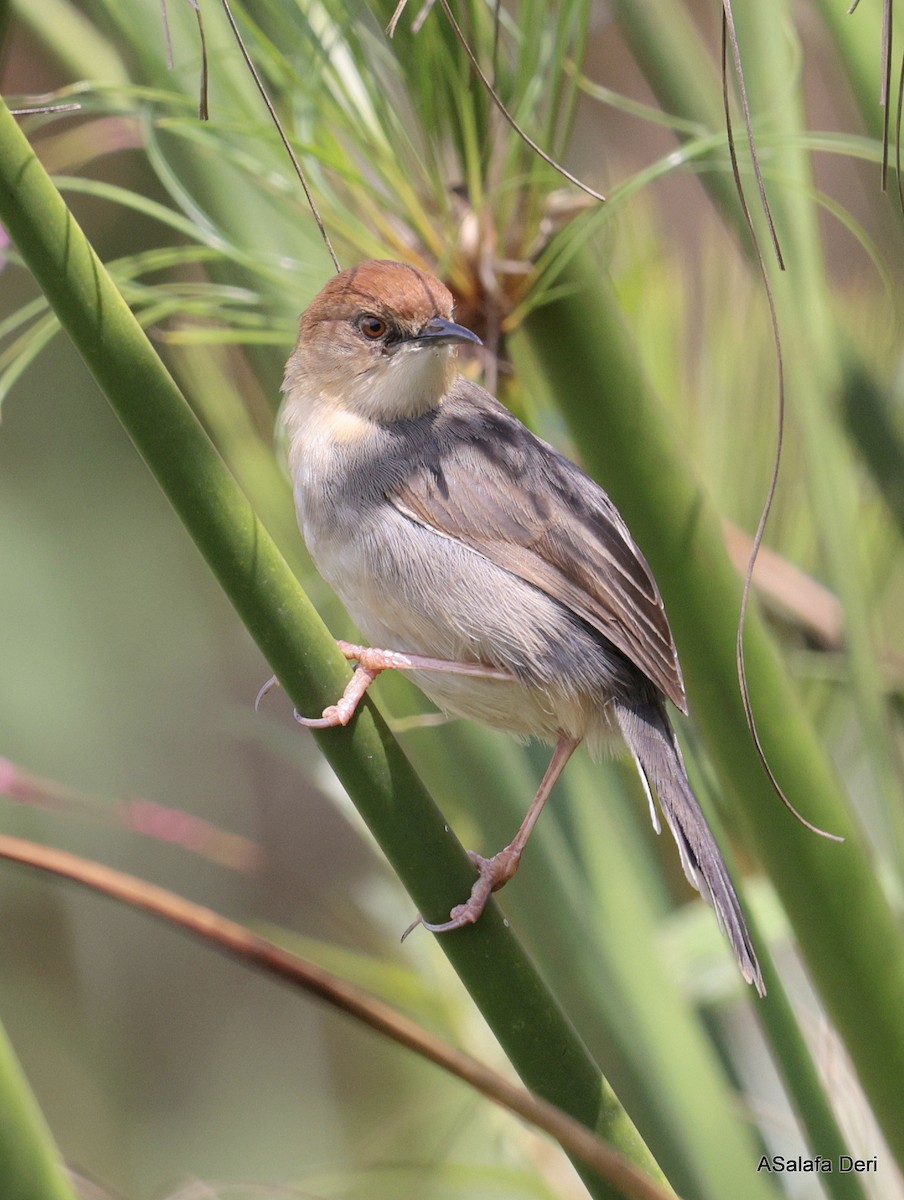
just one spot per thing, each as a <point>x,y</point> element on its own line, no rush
<point>164,1069</point>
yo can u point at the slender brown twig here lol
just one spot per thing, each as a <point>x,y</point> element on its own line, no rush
<point>250,948</point>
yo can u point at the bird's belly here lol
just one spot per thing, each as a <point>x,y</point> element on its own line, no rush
<point>522,709</point>
<point>418,593</point>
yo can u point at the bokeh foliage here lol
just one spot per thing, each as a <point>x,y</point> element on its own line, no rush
<point>654,363</point>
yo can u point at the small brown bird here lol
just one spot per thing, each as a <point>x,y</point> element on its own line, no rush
<point>480,559</point>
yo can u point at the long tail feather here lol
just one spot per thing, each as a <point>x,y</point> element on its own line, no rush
<point>649,735</point>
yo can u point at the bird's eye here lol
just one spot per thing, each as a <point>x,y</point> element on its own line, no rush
<point>372,327</point>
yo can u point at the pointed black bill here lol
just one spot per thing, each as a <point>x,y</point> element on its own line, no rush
<point>440,331</point>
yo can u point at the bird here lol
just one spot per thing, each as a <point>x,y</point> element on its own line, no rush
<point>480,560</point>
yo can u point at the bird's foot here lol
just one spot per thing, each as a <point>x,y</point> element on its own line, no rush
<point>492,874</point>
<point>343,710</point>
<point>370,662</point>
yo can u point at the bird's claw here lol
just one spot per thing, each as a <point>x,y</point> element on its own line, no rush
<point>327,721</point>
<point>492,874</point>
<point>266,689</point>
<point>333,715</point>
<point>345,708</point>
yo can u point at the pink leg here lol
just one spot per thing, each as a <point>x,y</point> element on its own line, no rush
<point>498,870</point>
<point>343,711</point>
<point>371,662</point>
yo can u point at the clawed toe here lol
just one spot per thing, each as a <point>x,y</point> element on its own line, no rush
<point>329,720</point>
<point>460,916</point>
<point>266,689</point>
<point>492,874</point>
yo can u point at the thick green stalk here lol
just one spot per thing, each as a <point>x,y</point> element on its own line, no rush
<point>524,1016</point>
<point>30,1164</point>
<point>846,931</point>
<point>872,425</point>
<point>808,1095</point>
<point>594,927</point>
<point>858,40</point>
<point>681,73</point>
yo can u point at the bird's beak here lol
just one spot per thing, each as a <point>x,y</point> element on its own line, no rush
<point>440,332</point>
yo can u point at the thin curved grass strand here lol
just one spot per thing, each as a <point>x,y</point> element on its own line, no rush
<point>780,438</point>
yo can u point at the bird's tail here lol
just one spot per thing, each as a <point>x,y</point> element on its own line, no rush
<point>649,735</point>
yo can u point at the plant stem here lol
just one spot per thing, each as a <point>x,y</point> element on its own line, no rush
<point>522,1013</point>
<point>30,1164</point>
<point>830,891</point>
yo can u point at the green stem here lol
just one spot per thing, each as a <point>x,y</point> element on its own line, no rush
<point>682,75</point>
<point>30,1164</point>
<point>872,425</point>
<point>858,40</point>
<point>524,1016</point>
<point>846,931</point>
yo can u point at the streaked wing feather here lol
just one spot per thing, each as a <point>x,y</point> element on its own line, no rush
<point>535,514</point>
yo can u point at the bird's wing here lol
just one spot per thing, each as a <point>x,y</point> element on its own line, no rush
<point>495,487</point>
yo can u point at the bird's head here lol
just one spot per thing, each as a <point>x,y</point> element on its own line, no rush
<point>377,342</point>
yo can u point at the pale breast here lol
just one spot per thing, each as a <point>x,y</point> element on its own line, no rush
<point>409,588</point>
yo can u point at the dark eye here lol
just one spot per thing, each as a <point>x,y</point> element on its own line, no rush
<point>372,327</point>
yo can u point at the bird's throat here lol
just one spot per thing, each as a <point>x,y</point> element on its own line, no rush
<point>403,387</point>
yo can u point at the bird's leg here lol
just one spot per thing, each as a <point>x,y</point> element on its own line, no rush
<point>498,870</point>
<point>370,662</point>
<point>343,710</point>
